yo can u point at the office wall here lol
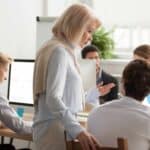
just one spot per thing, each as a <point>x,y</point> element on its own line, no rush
<point>123,12</point>
<point>115,66</point>
<point>18,25</point>
<point>18,28</point>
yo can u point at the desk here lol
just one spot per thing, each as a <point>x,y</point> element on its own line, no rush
<point>82,118</point>
<point>9,133</point>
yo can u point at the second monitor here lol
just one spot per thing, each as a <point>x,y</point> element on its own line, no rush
<point>20,82</point>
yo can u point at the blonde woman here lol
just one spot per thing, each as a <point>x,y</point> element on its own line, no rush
<point>8,115</point>
<point>57,87</point>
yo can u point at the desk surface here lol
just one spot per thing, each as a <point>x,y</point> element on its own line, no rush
<point>9,133</point>
<point>82,118</point>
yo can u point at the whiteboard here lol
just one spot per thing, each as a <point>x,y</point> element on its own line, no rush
<point>43,33</point>
<point>43,29</point>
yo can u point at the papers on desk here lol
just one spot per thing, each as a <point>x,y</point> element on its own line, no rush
<point>82,114</point>
<point>82,118</point>
<point>88,73</point>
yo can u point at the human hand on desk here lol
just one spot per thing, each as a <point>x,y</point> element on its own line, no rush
<point>87,141</point>
<point>105,89</point>
<point>88,107</point>
<point>2,125</point>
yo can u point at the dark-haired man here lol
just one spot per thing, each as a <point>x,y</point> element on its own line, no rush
<point>126,117</point>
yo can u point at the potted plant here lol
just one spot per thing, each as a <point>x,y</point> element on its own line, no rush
<point>104,41</point>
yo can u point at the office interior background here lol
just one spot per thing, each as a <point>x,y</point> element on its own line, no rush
<point>131,20</point>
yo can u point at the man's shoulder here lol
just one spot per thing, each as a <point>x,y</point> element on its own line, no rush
<point>107,76</point>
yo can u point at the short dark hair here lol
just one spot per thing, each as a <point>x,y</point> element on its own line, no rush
<point>87,49</point>
<point>143,51</point>
<point>136,79</point>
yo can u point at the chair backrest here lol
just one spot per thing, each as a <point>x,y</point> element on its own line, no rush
<point>75,145</point>
<point>7,147</point>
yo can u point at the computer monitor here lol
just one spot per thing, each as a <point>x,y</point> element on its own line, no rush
<point>20,82</point>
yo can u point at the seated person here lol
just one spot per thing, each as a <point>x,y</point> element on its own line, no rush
<point>8,115</point>
<point>143,52</point>
<point>126,117</point>
<point>107,85</point>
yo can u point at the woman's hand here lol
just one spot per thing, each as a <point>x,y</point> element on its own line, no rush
<point>87,141</point>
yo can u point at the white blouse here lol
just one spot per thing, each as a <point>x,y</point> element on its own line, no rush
<point>63,96</point>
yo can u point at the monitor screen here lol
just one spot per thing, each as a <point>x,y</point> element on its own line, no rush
<point>20,82</point>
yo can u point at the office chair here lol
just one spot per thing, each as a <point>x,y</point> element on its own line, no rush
<point>75,145</point>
